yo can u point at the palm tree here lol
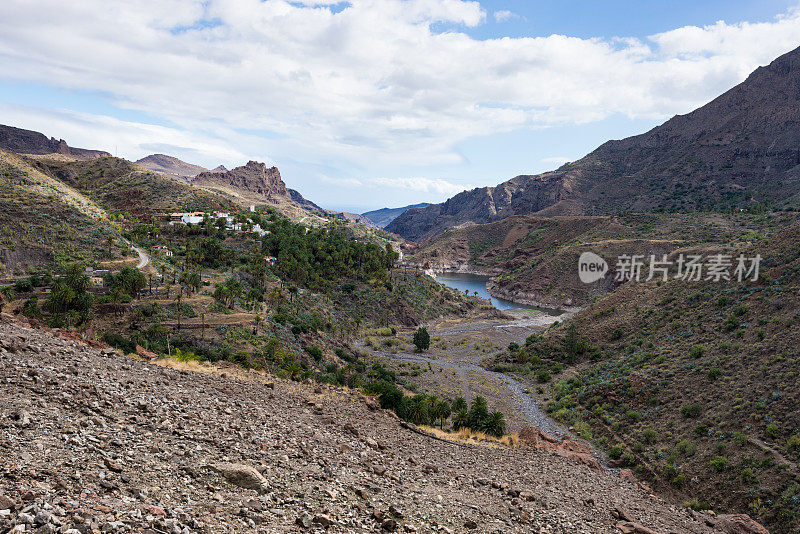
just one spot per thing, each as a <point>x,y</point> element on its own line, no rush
<point>460,419</point>
<point>459,404</point>
<point>495,424</point>
<point>416,409</point>
<point>441,411</point>
<point>478,413</point>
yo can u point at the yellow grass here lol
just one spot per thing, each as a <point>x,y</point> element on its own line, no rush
<point>465,435</point>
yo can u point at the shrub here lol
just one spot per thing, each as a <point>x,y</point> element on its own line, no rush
<point>119,342</point>
<point>615,452</point>
<point>649,436</point>
<point>697,351</point>
<point>714,373</point>
<point>719,463</point>
<point>686,447</point>
<point>731,323</point>
<point>315,352</point>
<point>772,431</point>
<point>543,376</point>
<point>748,477</point>
<point>628,458</point>
<point>23,286</point>
<point>697,506</point>
<point>691,410</point>
<point>793,443</point>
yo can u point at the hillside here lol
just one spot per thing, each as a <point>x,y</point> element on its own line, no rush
<point>738,151</point>
<point>534,260</point>
<point>382,217</point>
<point>694,384</point>
<point>45,223</point>
<point>123,187</point>
<point>30,142</point>
<point>207,448</point>
<point>171,167</point>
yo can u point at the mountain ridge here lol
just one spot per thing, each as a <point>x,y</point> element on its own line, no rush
<point>740,149</point>
<point>384,216</point>
<point>24,141</point>
<point>171,166</point>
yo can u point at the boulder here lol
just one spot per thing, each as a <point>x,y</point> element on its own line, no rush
<point>739,524</point>
<point>243,476</point>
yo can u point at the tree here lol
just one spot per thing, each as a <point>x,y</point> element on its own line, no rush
<point>129,280</point>
<point>495,424</point>
<point>459,404</point>
<point>440,411</point>
<point>422,339</point>
<point>478,413</point>
<point>415,409</point>
<point>460,419</point>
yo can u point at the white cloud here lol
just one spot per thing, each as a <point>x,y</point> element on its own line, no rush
<point>367,85</point>
<point>132,140</point>
<point>422,185</point>
<point>504,15</point>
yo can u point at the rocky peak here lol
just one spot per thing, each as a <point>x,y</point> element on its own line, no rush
<point>254,177</point>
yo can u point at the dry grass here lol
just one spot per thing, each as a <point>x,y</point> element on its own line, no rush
<point>465,435</point>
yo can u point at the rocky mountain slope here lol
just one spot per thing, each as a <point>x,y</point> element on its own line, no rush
<point>171,166</point>
<point>694,384</point>
<point>741,149</point>
<point>94,441</point>
<point>254,184</point>
<point>254,178</point>
<point>382,217</point>
<point>30,142</point>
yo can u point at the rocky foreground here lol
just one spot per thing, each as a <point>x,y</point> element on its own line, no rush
<point>91,441</point>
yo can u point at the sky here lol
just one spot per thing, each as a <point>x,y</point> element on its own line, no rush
<point>373,103</point>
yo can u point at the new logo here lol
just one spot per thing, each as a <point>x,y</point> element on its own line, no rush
<point>591,267</point>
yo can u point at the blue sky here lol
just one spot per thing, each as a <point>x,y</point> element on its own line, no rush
<point>374,103</point>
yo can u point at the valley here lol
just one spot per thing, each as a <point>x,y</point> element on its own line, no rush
<point>610,346</point>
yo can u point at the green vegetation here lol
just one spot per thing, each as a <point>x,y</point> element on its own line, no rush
<point>422,340</point>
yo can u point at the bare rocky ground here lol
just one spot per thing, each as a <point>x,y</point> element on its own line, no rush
<point>91,441</point>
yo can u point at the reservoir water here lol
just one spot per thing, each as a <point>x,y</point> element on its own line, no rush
<point>476,283</point>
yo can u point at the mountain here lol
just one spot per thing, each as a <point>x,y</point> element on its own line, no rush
<point>171,167</point>
<point>303,202</point>
<point>30,142</point>
<point>220,168</point>
<point>384,216</point>
<point>253,180</point>
<point>121,186</point>
<point>255,184</point>
<point>355,217</point>
<point>693,384</point>
<point>741,149</point>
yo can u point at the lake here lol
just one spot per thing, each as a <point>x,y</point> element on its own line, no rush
<point>477,283</point>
